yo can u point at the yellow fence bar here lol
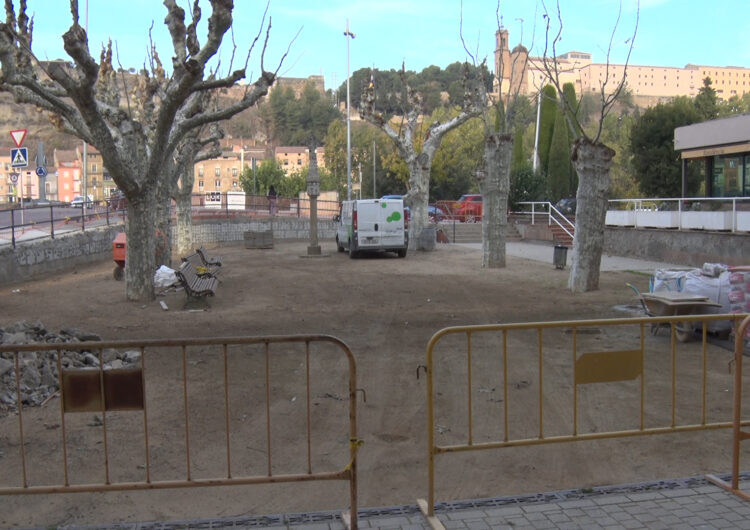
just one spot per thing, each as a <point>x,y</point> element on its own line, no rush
<point>738,435</point>
<point>109,390</point>
<point>611,365</point>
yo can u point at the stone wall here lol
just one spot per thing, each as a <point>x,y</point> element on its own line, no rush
<point>221,231</point>
<point>37,258</point>
<point>34,259</point>
<point>689,248</point>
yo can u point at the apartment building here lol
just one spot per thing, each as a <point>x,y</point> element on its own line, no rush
<point>69,174</point>
<point>294,158</point>
<point>518,71</point>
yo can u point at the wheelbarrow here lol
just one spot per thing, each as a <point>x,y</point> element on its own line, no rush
<point>119,251</point>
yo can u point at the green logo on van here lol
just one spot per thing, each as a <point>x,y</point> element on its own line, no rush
<point>395,216</point>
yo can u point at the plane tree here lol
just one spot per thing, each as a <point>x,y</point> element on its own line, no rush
<point>419,157</point>
<point>137,139</point>
<point>591,158</point>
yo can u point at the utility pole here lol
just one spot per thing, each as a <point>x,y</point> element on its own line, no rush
<point>348,34</point>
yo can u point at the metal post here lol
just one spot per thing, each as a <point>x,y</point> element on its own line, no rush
<point>374,195</point>
<point>348,34</point>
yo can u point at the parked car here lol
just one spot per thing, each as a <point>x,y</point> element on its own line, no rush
<point>435,214</point>
<point>117,200</point>
<point>567,206</point>
<point>78,202</point>
<point>468,208</point>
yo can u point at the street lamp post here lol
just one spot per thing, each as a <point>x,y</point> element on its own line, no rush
<point>348,34</point>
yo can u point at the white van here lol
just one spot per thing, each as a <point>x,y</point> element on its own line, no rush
<point>372,224</point>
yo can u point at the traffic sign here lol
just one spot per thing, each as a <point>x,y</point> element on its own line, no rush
<point>18,135</point>
<point>41,171</point>
<point>19,157</point>
<point>14,178</point>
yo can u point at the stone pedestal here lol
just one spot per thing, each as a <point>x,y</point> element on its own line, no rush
<point>259,239</point>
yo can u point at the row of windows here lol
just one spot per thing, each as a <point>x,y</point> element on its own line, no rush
<point>217,184</point>
<point>217,171</point>
<point>729,74</point>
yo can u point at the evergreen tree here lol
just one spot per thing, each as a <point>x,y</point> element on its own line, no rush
<point>657,166</point>
<point>519,156</point>
<point>558,168</point>
<point>574,131</point>
<point>706,101</point>
<point>546,124</point>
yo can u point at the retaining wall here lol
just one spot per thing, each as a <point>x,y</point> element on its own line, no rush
<point>35,259</point>
<point>689,248</point>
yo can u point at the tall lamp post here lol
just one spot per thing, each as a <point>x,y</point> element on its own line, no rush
<point>348,34</point>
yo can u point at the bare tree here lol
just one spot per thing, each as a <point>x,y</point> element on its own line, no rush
<point>493,175</point>
<point>419,163</point>
<point>591,159</point>
<point>195,149</point>
<point>136,141</point>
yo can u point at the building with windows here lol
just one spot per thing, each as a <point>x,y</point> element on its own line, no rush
<point>518,72</point>
<point>294,158</point>
<point>722,148</point>
<point>69,174</point>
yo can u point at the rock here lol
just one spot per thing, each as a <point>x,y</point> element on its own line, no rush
<point>131,356</point>
<point>90,359</point>
<point>39,370</point>
<point>109,355</point>
<point>5,366</point>
<point>30,377</point>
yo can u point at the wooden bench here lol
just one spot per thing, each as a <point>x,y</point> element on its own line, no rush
<point>208,261</point>
<point>196,286</point>
<point>201,265</point>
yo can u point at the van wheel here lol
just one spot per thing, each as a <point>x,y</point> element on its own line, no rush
<point>338,245</point>
<point>401,253</point>
<point>352,253</point>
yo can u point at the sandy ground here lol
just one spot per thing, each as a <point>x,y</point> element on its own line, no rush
<point>386,310</point>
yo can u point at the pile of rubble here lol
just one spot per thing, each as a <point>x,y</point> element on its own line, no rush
<point>38,377</point>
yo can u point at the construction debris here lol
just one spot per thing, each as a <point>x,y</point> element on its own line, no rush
<point>38,371</point>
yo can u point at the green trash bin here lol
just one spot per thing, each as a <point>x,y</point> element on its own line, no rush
<point>560,256</point>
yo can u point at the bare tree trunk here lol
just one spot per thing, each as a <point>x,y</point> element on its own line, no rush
<point>140,262</point>
<point>417,198</point>
<point>592,162</point>
<point>494,185</point>
<point>163,233</point>
<point>184,223</point>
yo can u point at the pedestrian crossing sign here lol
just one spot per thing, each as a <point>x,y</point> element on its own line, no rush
<point>19,157</point>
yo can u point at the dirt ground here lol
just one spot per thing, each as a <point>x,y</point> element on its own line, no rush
<point>386,309</point>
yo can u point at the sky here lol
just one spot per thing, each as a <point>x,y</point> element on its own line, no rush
<point>417,33</point>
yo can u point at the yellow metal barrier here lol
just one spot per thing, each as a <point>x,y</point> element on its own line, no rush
<point>738,434</point>
<point>618,357</point>
<point>213,395</point>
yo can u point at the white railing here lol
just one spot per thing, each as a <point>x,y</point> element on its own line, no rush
<point>725,214</point>
<point>554,216</point>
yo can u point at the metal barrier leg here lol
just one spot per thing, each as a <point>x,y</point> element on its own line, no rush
<point>738,434</point>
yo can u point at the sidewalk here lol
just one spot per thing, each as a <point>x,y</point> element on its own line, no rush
<point>543,252</point>
<point>692,503</point>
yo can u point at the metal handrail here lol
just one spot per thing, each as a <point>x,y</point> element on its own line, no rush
<point>553,215</point>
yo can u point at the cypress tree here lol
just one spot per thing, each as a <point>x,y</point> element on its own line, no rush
<point>546,124</point>
<point>558,172</point>
<point>574,131</point>
<point>519,157</point>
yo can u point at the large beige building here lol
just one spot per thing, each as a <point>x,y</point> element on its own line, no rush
<point>517,70</point>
